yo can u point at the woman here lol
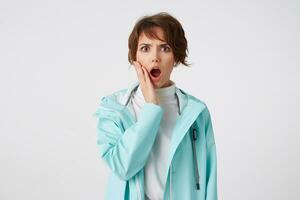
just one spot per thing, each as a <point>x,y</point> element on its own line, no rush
<point>157,139</point>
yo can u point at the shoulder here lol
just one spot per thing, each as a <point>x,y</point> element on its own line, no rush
<point>115,96</point>
<point>109,103</point>
<point>196,99</point>
<point>192,98</point>
<point>114,102</point>
<point>205,113</point>
<point>120,95</point>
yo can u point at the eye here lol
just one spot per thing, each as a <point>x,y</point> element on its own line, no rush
<point>166,49</point>
<point>144,48</point>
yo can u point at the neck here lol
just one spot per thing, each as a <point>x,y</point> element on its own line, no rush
<point>169,83</point>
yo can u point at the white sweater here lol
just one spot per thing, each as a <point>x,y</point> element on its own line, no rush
<point>156,166</point>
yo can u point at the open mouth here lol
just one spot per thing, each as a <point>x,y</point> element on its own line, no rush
<point>155,73</point>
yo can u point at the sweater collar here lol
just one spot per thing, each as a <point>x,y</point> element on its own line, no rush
<point>163,93</point>
<point>181,96</point>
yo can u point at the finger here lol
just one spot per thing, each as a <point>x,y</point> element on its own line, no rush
<point>147,78</point>
<point>139,71</point>
<point>138,68</point>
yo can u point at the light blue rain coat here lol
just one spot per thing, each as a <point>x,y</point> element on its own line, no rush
<point>125,143</point>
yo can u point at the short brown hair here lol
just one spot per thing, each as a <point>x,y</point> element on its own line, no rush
<point>173,31</point>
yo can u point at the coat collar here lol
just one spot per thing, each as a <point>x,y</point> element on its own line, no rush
<point>181,96</point>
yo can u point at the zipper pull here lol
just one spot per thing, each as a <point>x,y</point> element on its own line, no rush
<point>194,134</point>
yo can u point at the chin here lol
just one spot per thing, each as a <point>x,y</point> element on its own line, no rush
<point>157,85</point>
<point>167,84</point>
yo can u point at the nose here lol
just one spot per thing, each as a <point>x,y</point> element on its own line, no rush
<point>155,60</point>
<point>155,57</point>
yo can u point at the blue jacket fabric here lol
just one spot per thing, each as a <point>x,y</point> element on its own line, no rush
<point>125,143</point>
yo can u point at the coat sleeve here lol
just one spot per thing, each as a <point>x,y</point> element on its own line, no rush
<point>211,156</point>
<point>126,151</point>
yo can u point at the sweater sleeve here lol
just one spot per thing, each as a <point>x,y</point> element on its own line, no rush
<point>211,157</point>
<point>126,151</point>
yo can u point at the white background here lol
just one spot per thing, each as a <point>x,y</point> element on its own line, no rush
<point>58,58</point>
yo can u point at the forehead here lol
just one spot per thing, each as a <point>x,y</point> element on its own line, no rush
<point>155,33</point>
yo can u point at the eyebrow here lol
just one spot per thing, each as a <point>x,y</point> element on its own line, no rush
<point>163,44</point>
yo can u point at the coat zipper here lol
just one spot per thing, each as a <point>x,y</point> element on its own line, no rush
<point>194,138</point>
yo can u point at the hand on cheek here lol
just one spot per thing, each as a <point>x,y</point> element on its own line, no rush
<point>146,84</point>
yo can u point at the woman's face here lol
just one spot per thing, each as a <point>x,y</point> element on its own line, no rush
<point>157,57</point>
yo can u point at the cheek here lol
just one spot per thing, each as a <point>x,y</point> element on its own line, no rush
<point>170,65</point>
<point>169,60</point>
<point>167,72</point>
<point>169,69</point>
<point>140,57</point>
